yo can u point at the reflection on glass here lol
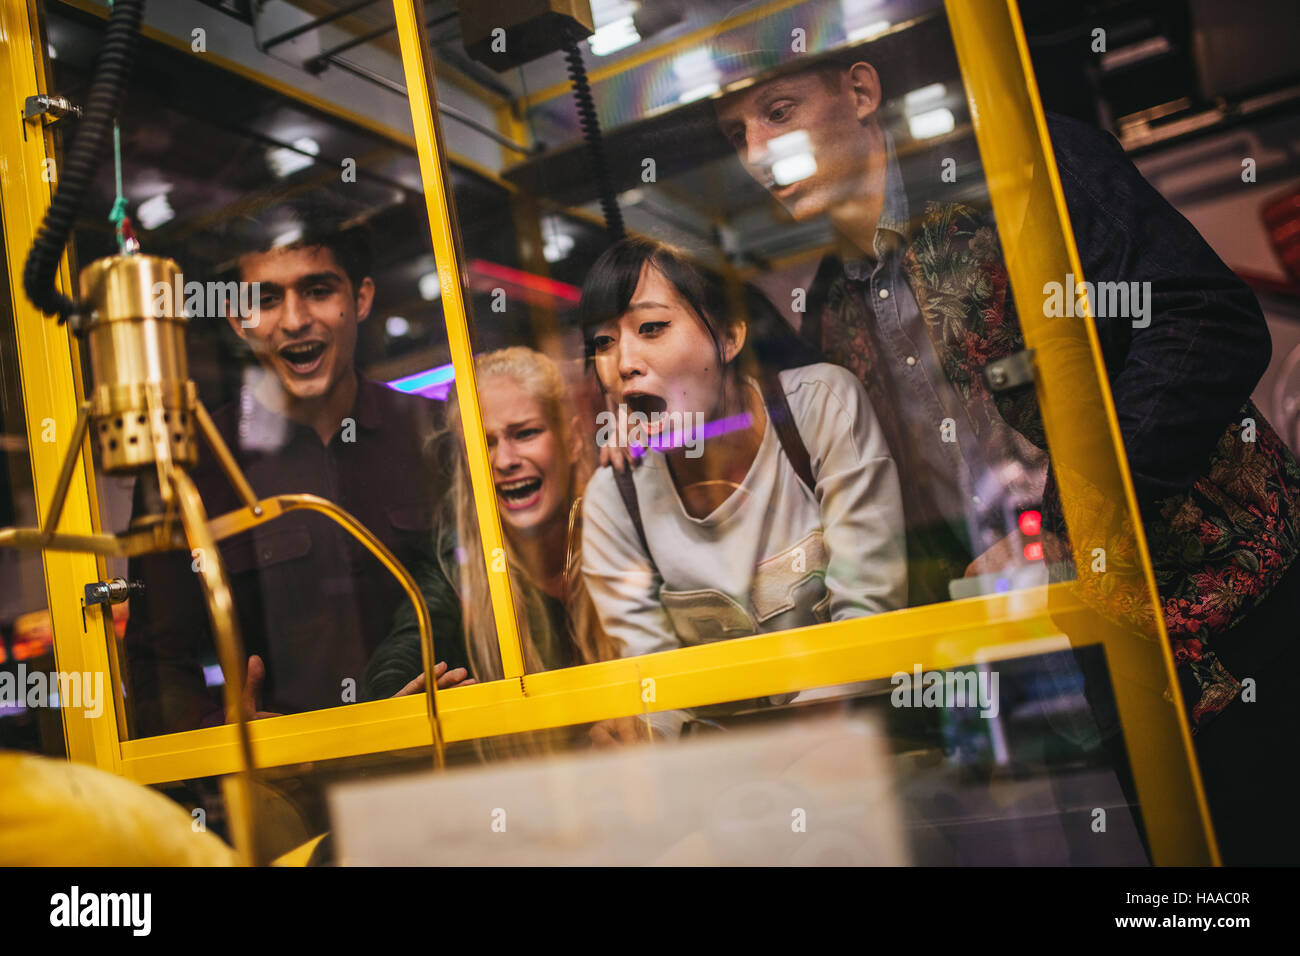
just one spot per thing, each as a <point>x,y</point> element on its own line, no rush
<point>815,400</point>
<point>315,338</point>
<point>791,416</point>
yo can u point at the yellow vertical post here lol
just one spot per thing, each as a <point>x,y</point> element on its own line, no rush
<point>418,69</point>
<point>50,391</point>
<point>1079,416</point>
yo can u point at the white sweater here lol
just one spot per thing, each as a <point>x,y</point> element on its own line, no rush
<point>772,556</point>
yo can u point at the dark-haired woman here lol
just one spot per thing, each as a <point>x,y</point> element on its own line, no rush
<point>785,512</point>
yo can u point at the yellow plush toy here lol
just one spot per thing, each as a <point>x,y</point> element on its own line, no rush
<point>57,813</point>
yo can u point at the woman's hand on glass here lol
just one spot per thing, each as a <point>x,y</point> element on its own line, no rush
<point>619,731</point>
<point>459,677</point>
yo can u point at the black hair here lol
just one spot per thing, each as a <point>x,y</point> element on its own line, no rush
<point>312,223</point>
<point>770,343</point>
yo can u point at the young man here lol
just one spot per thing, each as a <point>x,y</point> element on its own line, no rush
<point>917,311</point>
<point>312,604</point>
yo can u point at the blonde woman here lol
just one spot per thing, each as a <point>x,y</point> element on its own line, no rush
<point>540,465</point>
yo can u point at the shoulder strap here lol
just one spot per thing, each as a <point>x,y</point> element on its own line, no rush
<point>627,491</point>
<point>810,328</point>
<point>778,410</point>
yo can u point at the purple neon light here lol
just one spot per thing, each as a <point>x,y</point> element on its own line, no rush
<point>677,438</point>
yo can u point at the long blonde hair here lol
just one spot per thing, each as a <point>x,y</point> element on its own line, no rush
<point>540,377</point>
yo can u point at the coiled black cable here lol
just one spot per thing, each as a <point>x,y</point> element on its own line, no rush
<point>106,91</point>
<point>590,124</point>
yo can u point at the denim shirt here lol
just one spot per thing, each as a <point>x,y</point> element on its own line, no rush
<point>960,465</point>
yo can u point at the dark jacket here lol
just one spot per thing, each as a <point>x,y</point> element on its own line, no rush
<point>311,601</point>
<point>398,660</point>
<point>1220,512</point>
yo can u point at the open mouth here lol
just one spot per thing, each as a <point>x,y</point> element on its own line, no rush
<point>652,407</point>
<point>646,404</point>
<point>520,494</point>
<point>303,357</point>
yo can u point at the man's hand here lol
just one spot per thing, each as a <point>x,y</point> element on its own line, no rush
<point>612,453</point>
<point>446,679</point>
<point>619,731</point>
<point>614,456</point>
<point>252,696</point>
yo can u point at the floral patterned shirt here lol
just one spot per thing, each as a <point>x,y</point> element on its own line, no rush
<point>1217,547</point>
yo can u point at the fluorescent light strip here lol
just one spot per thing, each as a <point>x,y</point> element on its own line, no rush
<point>440,375</point>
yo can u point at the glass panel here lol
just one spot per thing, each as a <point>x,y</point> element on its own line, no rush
<point>316,340</point>
<point>1009,762</point>
<point>29,686</point>
<point>797,389</point>
<point>790,310</point>
<point>790,348</point>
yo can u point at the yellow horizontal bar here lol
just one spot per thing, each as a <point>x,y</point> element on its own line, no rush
<point>952,634</point>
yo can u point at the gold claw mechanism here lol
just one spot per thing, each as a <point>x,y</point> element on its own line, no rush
<point>143,413</point>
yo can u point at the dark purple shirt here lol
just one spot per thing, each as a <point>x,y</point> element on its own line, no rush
<point>311,601</point>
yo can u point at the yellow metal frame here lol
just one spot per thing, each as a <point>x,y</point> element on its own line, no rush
<point>951,634</point>
<point>428,135</point>
<point>51,394</point>
<point>1011,129</point>
<point>1025,190</point>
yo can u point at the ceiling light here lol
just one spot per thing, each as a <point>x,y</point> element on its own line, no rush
<point>925,96</point>
<point>931,123</point>
<point>696,74</point>
<point>284,162</point>
<point>396,326</point>
<point>790,158</point>
<point>698,92</point>
<point>430,287</point>
<point>152,213</point>
<point>613,37</point>
<point>557,246</point>
<point>288,237</point>
<point>857,34</point>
